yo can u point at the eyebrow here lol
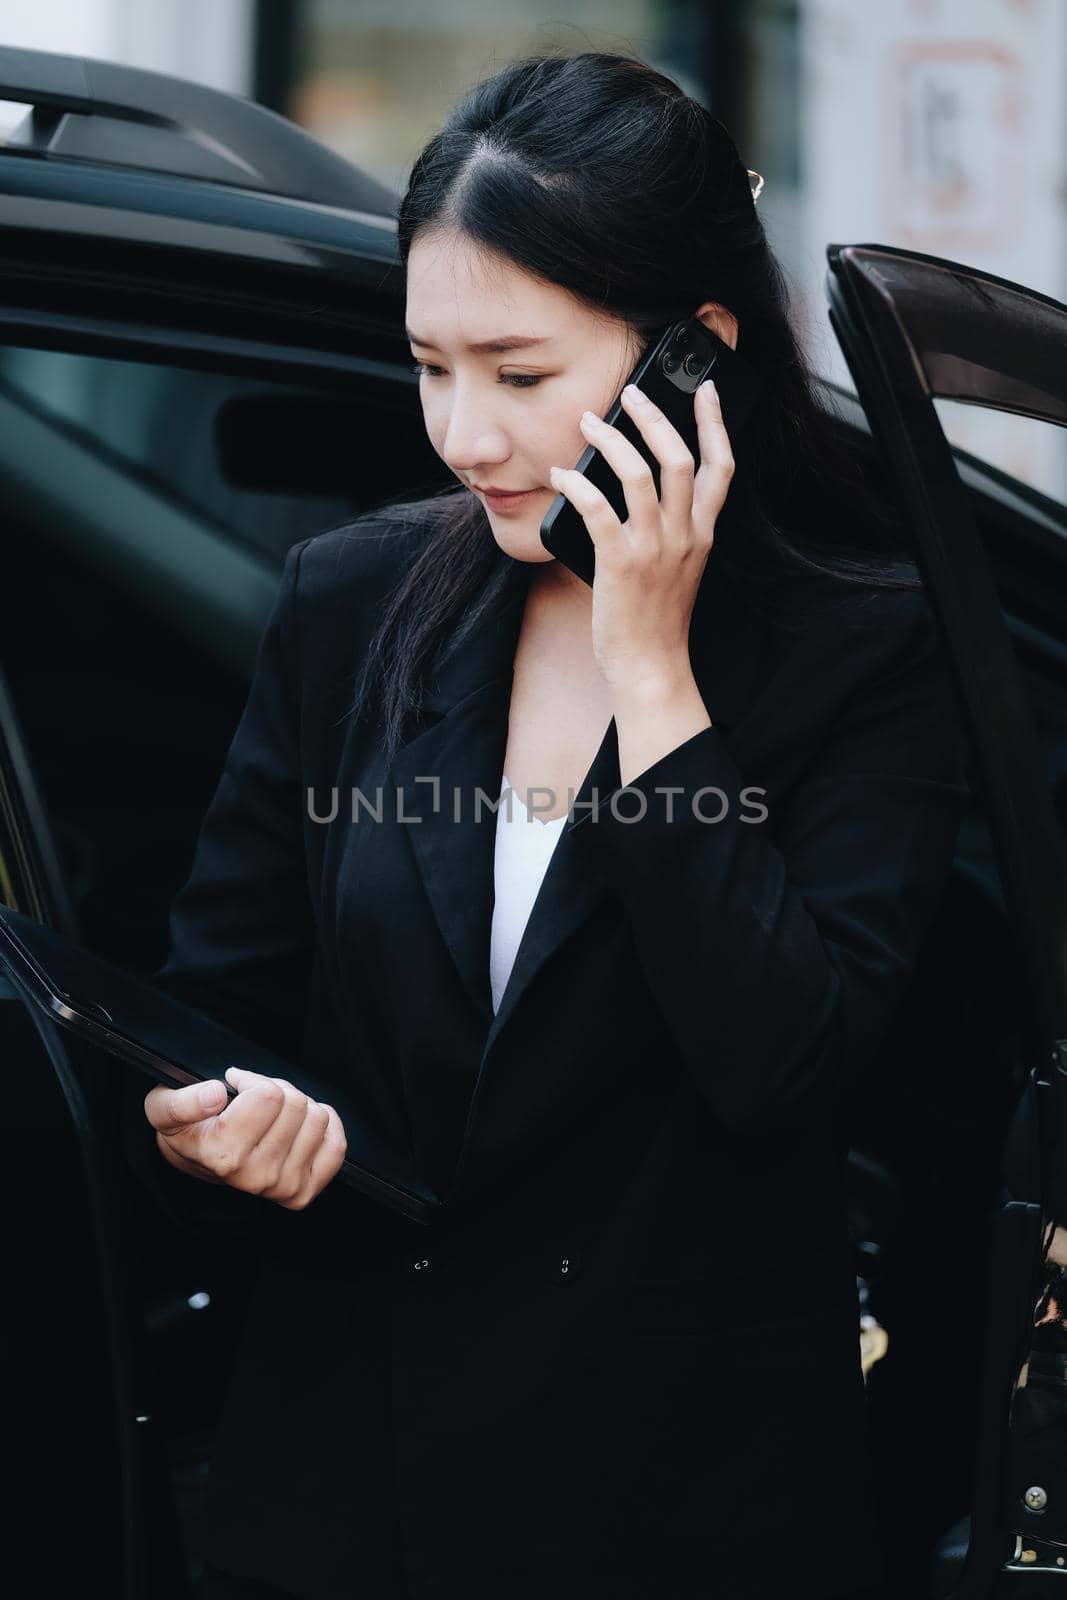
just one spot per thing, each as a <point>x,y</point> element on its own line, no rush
<point>486,347</point>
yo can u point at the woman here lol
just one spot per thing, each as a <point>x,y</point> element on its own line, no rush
<point>625,1361</point>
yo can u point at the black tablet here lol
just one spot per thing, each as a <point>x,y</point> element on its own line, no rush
<point>177,1045</point>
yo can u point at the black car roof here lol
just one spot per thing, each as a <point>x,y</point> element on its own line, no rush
<point>140,144</point>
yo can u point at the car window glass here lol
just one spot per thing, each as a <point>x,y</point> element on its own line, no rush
<point>162,426</point>
<point>1032,451</point>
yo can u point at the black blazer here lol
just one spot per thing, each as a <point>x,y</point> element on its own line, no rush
<point>626,1360</point>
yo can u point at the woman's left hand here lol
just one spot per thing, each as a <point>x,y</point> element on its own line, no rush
<point>648,568</point>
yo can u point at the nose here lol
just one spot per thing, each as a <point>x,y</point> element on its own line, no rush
<point>472,440</point>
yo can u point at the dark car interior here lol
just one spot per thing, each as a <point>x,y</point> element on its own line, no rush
<point>148,497</point>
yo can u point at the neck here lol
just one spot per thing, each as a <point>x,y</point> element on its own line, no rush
<point>556,585</point>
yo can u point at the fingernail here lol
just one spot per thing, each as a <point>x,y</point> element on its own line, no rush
<point>706,388</point>
<point>590,416</point>
<point>633,392</point>
<point>212,1094</point>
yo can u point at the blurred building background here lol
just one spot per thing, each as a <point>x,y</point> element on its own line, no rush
<point>936,124</point>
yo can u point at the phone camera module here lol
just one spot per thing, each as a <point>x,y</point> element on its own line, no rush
<point>694,364</point>
<point>670,362</point>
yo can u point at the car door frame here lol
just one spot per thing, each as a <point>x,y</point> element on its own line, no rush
<point>914,328</point>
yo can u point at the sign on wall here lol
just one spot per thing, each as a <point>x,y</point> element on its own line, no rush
<point>941,126</point>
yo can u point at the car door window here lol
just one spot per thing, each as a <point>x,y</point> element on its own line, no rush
<point>159,425</point>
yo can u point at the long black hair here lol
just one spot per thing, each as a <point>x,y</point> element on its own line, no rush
<point>597,173</point>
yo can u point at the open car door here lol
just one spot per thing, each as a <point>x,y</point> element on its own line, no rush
<point>914,329</point>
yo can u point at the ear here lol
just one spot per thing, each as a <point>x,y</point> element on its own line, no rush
<point>719,320</point>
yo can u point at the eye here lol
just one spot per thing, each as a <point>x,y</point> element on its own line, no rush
<point>519,380</point>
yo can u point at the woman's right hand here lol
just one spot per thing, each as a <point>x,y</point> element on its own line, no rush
<point>270,1140</point>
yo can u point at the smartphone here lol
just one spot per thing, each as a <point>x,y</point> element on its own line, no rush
<point>683,355</point>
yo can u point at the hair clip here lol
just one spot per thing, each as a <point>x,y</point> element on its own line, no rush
<point>758,190</point>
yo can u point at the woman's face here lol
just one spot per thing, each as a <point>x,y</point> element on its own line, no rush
<point>500,418</point>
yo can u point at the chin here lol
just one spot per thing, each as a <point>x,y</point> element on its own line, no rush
<point>523,544</point>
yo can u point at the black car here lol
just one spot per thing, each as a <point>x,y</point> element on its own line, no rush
<point>202,361</point>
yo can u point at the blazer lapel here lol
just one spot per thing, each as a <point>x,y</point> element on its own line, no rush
<point>447,779</point>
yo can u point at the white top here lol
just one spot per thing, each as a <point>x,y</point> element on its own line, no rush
<point>524,846</point>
